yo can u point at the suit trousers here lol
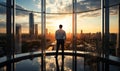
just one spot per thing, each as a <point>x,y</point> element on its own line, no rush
<point>60,42</point>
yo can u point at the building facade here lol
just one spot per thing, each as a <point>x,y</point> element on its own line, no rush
<point>31,25</point>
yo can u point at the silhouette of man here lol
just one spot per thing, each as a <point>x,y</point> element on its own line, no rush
<point>60,36</point>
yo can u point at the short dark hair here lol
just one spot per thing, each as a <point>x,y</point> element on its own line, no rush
<point>60,26</point>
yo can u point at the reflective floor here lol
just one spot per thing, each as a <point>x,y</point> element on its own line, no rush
<point>34,64</point>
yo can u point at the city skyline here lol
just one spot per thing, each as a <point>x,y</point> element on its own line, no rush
<point>27,32</point>
<point>89,22</point>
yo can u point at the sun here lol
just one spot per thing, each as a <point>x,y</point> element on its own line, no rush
<point>66,22</point>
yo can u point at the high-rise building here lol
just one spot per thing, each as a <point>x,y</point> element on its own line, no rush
<point>31,25</point>
<point>18,43</point>
<point>81,31</point>
<point>81,34</point>
<point>36,31</point>
<point>46,33</point>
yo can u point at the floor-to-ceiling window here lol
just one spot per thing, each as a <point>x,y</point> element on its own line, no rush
<point>29,26</point>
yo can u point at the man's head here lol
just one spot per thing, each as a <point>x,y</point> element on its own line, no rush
<point>60,26</point>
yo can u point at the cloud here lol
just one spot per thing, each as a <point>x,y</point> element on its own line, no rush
<point>2,8</point>
<point>65,6</point>
<point>86,5</point>
<point>55,6</point>
<point>34,0</point>
<point>37,3</point>
<point>90,14</point>
<point>19,12</point>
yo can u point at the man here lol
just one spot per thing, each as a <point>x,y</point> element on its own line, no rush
<point>60,36</point>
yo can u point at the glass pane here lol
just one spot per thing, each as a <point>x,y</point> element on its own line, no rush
<point>31,5</point>
<point>89,31</point>
<point>28,35</point>
<point>28,24</point>
<point>3,40</point>
<point>113,30</point>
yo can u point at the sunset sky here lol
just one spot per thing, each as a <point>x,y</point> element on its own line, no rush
<point>88,22</point>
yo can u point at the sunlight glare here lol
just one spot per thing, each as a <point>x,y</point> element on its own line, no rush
<point>66,22</point>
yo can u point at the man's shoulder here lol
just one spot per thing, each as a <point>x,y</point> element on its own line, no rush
<point>57,30</point>
<point>63,30</point>
<point>60,30</point>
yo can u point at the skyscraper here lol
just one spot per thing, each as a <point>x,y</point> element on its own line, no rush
<point>81,31</point>
<point>31,25</point>
<point>18,43</point>
<point>36,31</point>
<point>46,33</point>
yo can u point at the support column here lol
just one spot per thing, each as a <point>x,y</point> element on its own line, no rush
<point>107,27</point>
<point>14,32</point>
<point>107,34</point>
<point>74,32</point>
<point>102,19</point>
<point>43,27</point>
<point>103,32</point>
<point>118,36</point>
<point>9,33</point>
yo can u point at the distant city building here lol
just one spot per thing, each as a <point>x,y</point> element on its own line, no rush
<point>31,25</point>
<point>69,35</point>
<point>46,30</point>
<point>81,31</point>
<point>98,35</point>
<point>18,42</point>
<point>46,33</point>
<point>36,31</point>
<point>81,34</point>
<point>113,37</point>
